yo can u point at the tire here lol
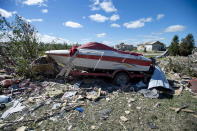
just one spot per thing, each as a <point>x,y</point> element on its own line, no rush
<point>121,79</point>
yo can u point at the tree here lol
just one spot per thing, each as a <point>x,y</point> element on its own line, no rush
<point>174,47</point>
<point>22,43</point>
<point>24,37</point>
<point>187,45</point>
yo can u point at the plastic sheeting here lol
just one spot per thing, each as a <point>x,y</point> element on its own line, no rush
<point>17,106</point>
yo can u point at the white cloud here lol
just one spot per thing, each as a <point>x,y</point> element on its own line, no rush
<point>105,5</point>
<point>95,5</point>
<point>98,18</point>
<point>102,18</point>
<point>44,10</point>
<point>160,16</point>
<point>34,20</point>
<point>175,28</point>
<point>49,39</point>
<point>115,25</point>
<point>101,35</point>
<point>108,6</point>
<point>6,14</point>
<point>34,2</point>
<point>138,23</point>
<point>72,24</point>
<point>114,17</point>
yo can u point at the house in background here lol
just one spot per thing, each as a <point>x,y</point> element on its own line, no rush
<point>151,46</point>
<point>124,47</point>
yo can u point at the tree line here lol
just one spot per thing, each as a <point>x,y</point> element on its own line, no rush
<point>183,47</point>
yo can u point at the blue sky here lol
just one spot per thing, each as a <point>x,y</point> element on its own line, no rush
<point>107,21</point>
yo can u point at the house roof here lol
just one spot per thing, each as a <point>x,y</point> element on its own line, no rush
<point>150,43</point>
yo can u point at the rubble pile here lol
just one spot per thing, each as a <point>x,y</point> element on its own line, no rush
<point>26,101</point>
<point>180,70</point>
<point>183,65</point>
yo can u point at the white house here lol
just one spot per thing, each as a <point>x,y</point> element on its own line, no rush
<point>151,46</point>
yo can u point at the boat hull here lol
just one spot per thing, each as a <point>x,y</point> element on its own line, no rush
<point>99,64</point>
<point>104,60</point>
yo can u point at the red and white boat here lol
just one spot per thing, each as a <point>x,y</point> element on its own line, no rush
<point>99,56</point>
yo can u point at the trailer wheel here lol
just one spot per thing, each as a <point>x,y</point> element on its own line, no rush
<point>121,79</point>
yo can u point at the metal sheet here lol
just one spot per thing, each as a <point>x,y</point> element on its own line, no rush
<point>158,79</point>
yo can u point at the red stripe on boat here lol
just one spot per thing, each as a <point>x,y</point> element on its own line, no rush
<point>110,58</point>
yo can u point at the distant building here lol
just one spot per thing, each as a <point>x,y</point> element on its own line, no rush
<point>123,47</point>
<point>151,46</point>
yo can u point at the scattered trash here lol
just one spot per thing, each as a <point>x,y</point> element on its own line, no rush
<point>131,100</point>
<point>107,99</point>
<point>68,95</point>
<point>69,127</point>
<point>104,114</point>
<point>93,127</point>
<point>127,112</point>
<point>17,106</point>
<point>93,95</point>
<point>80,109</point>
<point>152,125</point>
<point>5,99</point>
<point>179,91</point>
<point>138,108</point>
<point>123,118</point>
<point>22,128</point>
<point>157,104</point>
<point>56,106</point>
<point>77,84</point>
<point>149,93</point>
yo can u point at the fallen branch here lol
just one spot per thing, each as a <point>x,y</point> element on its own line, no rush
<point>177,110</point>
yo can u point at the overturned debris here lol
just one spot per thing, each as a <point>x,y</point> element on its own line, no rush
<point>158,80</point>
<point>45,66</point>
<point>193,85</point>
